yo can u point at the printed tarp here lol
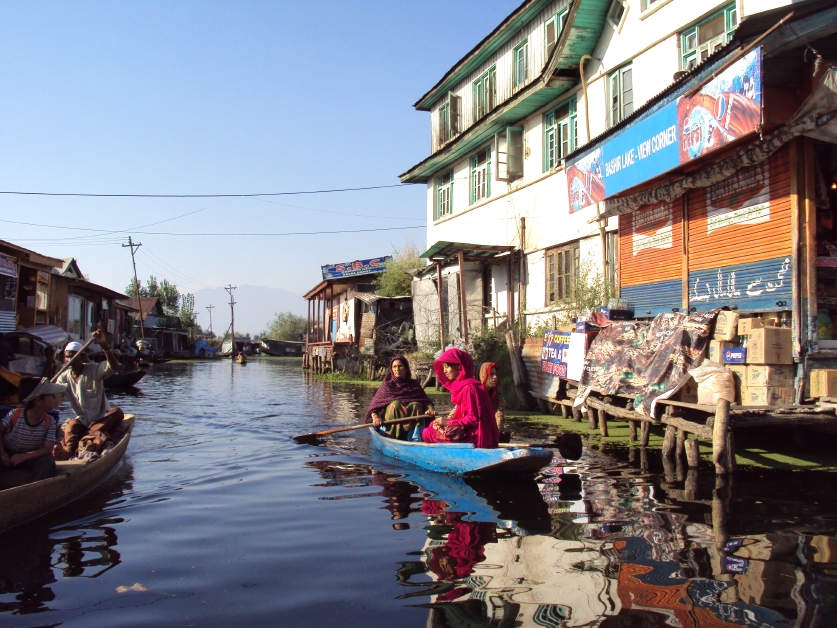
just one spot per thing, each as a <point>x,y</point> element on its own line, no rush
<point>646,360</point>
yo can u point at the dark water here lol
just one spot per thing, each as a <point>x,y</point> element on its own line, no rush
<point>218,518</point>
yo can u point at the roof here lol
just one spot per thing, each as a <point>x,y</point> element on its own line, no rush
<point>122,304</point>
<point>145,305</point>
<point>48,334</point>
<point>371,297</point>
<point>32,256</point>
<point>69,268</point>
<point>579,37</point>
<point>444,251</point>
<point>94,287</point>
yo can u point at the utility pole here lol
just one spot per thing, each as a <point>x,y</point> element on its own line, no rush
<point>230,289</point>
<point>210,308</point>
<point>134,248</point>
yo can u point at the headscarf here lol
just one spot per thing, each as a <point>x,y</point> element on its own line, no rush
<point>406,390</point>
<point>485,372</point>
<point>463,379</point>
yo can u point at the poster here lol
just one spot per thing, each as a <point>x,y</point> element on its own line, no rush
<point>725,109</point>
<point>358,267</point>
<point>556,346</point>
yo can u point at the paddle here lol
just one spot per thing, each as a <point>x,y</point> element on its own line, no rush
<point>312,437</point>
<point>71,360</point>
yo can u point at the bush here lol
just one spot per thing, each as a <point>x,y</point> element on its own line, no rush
<point>396,280</point>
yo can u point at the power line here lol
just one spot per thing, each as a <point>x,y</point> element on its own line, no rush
<point>296,193</point>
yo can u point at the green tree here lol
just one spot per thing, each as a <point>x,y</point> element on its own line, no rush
<point>285,326</point>
<point>396,280</point>
<point>188,318</point>
<point>167,293</point>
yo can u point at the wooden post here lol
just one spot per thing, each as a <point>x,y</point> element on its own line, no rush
<point>509,293</point>
<point>522,278</point>
<point>463,301</point>
<point>591,417</point>
<point>632,430</point>
<point>643,458</point>
<point>681,442</point>
<point>668,471</point>
<point>564,411</point>
<point>576,414</point>
<point>691,488</point>
<point>692,452</point>
<point>720,511</point>
<point>645,433</point>
<point>603,423</point>
<point>669,443</point>
<point>441,308</point>
<point>518,371</point>
<point>720,438</point>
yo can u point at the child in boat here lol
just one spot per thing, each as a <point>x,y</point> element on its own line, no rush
<point>399,396</point>
<point>28,434</point>
<point>491,382</point>
<point>473,418</point>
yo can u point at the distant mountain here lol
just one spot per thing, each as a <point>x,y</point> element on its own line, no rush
<point>254,307</point>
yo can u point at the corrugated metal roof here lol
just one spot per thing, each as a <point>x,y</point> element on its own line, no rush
<point>48,334</point>
<point>442,251</point>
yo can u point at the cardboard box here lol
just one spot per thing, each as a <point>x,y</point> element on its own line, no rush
<point>747,324</point>
<point>617,315</point>
<point>767,396</point>
<point>739,375</point>
<point>764,375</point>
<point>716,348</point>
<point>726,325</point>
<point>770,345</point>
<point>824,383</point>
<point>582,327</point>
<point>688,393</point>
<point>734,355</point>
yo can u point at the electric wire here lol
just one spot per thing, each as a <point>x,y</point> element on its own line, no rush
<point>249,195</point>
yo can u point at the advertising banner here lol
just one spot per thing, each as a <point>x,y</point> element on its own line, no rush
<point>556,346</point>
<point>358,267</point>
<point>722,111</point>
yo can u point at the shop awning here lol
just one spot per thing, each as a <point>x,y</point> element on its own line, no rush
<point>50,335</point>
<point>442,251</point>
<point>817,118</point>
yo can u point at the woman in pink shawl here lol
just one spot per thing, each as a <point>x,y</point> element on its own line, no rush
<point>473,418</point>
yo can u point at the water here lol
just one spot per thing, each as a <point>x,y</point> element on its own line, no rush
<point>218,518</point>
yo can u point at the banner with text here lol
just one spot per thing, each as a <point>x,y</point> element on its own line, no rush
<point>358,267</point>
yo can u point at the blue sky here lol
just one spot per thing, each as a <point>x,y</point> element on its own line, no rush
<point>220,97</point>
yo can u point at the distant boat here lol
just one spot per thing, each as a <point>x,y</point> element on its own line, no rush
<point>241,358</point>
<point>125,379</point>
<point>464,458</point>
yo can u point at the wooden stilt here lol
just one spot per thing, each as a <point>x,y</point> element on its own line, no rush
<point>720,513</point>
<point>669,443</point>
<point>643,460</point>
<point>645,433</point>
<point>692,452</point>
<point>720,438</point>
<point>632,455</point>
<point>591,416</point>
<point>681,442</point>
<point>668,470</point>
<point>632,430</point>
<point>603,423</point>
<point>564,411</point>
<point>576,414</point>
<point>680,462</point>
<point>691,487</point>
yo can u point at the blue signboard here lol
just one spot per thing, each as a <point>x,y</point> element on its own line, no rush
<point>556,345</point>
<point>725,109</point>
<point>358,267</point>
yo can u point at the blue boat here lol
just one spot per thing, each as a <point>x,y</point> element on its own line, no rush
<point>464,458</point>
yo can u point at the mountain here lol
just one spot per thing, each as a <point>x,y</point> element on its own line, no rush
<point>254,307</point>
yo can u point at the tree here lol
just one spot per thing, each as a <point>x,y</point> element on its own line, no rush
<point>396,280</point>
<point>167,293</point>
<point>188,318</point>
<point>285,326</point>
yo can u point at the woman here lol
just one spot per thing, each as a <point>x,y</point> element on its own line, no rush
<point>472,420</point>
<point>398,397</point>
<point>491,382</point>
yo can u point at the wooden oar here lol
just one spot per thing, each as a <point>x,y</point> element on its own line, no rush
<point>315,435</point>
<point>71,360</point>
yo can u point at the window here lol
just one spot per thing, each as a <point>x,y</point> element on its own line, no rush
<point>444,194</point>
<point>521,63</point>
<point>553,27</point>
<point>561,273</point>
<point>650,4</point>
<point>700,41</point>
<point>74,316</point>
<point>621,86</point>
<point>508,151</point>
<point>560,134</point>
<point>481,175</point>
<point>485,93</point>
<point>616,13</point>
<point>449,118</point>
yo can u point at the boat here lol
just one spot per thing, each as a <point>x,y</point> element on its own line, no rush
<point>125,379</point>
<point>73,480</point>
<point>241,358</point>
<point>464,458</point>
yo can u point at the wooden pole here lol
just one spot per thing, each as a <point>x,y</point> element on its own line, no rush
<point>603,423</point>
<point>632,430</point>
<point>669,442</point>
<point>692,452</point>
<point>509,292</point>
<point>645,433</point>
<point>720,440</point>
<point>681,442</point>
<point>136,281</point>
<point>230,289</point>
<point>518,371</point>
<point>463,301</point>
<point>522,276</point>
<point>441,307</point>
<point>577,414</point>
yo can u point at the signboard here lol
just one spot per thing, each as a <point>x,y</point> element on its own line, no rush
<point>722,111</point>
<point>358,267</point>
<point>556,346</point>
<point>8,266</point>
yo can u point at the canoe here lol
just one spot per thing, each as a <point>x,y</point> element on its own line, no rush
<point>73,479</point>
<point>241,359</point>
<point>464,458</point>
<point>123,380</point>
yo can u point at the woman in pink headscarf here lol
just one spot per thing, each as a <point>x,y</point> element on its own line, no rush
<point>473,418</point>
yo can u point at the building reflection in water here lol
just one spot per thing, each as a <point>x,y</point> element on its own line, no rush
<point>610,545</point>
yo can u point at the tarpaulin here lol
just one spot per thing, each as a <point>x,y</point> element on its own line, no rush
<point>645,360</point>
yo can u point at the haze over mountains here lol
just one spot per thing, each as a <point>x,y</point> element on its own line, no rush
<point>255,307</point>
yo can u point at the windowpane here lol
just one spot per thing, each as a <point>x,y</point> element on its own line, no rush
<point>712,29</point>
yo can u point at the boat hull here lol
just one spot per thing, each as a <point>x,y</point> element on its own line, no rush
<point>463,458</point>
<point>123,380</point>
<point>30,501</point>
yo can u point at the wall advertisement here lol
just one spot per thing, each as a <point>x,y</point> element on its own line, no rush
<point>722,111</point>
<point>358,267</point>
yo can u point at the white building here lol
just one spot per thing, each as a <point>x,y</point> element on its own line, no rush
<point>504,118</point>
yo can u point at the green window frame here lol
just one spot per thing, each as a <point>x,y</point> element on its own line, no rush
<point>449,118</point>
<point>485,92</point>
<point>562,273</point>
<point>444,194</point>
<point>444,123</point>
<point>560,133</point>
<point>701,40</point>
<point>481,175</point>
<point>521,63</point>
<point>621,93</point>
<point>553,27</point>
<point>650,4</point>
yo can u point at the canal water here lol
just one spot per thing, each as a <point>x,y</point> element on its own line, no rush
<point>218,518</point>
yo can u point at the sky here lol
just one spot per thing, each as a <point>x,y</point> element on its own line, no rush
<point>221,98</point>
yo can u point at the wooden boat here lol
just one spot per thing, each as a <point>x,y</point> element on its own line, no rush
<point>73,479</point>
<point>241,358</point>
<point>125,379</point>
<point>464,458</point>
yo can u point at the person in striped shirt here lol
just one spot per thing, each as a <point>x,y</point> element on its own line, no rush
<point>28,434</point>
